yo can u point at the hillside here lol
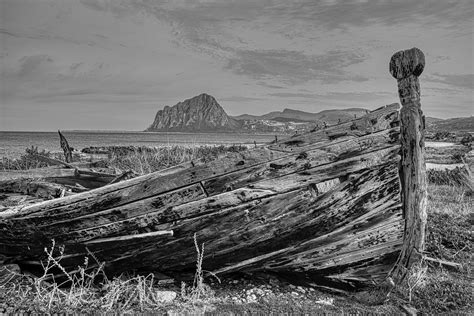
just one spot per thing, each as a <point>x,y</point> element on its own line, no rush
<point>200,113</point>
<point>287,115</point>
<point>459,124</point>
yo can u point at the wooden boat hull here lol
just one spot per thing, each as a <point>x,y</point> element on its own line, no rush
<point>326,204</point>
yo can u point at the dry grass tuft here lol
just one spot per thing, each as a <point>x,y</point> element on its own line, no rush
<point>154,159</point>
<point>199,291</point>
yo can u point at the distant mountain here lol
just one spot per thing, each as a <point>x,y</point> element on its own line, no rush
<point>287,115</point>
<point>430,120</point>
<point>201,113</point>
<point>464,124</point>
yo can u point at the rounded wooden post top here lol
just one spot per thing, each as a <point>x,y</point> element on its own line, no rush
<point>408,62</point>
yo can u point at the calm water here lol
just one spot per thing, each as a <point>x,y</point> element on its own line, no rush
<point>12,144</point>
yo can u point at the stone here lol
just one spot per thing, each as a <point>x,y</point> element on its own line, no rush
<point>301,289</point>
<point>165,296</point>
<point>252,298</point>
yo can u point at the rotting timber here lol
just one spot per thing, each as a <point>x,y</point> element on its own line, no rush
<point>334,205</point>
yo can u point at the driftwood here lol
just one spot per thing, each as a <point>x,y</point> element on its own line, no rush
<point>53,161</point>
<point>443,263</point>
<point>47,172</point>
<point>65,146</point>
<point>37,188</point>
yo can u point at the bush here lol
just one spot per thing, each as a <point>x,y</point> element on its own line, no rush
<point>28,160</point>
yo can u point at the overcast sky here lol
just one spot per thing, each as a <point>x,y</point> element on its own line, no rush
<point>111,64</point>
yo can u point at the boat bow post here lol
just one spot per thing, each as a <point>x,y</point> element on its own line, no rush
<point>406,66</point>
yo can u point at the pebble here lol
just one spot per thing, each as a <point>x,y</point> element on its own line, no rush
<point>325,301</point>
<point>165,296</point>
<point>301,289</point>
<point>252,298</point>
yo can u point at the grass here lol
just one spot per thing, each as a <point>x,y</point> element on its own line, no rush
<point>140,160</point>
<point>450,237</point>
<point>154,159</point>
<point>28,160</point>
<point>88,290</point>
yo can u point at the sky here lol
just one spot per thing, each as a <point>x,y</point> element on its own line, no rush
<point>112,64</point>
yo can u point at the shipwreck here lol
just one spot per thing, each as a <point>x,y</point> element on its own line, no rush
<point>344,206</point>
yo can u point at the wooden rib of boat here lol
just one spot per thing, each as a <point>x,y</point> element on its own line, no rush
<point>342,205</point>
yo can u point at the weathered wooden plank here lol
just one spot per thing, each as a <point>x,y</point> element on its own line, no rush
<point>341,252</point>
<point>342,240</point>
<point>46,228</point>
<point>299,163</point>
<point>406,66</point>
<point>33,187</point>
<point>378,120</point>
<point>152,213</point>
<point>119,239</point>
<point>302,160</point>
<point>109,198</point>
<point>270,224</point>
<point>65,146</point>
<point>148,185</point>
<point>48,172</point>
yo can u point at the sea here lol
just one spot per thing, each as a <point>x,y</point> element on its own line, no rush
<point>13,144</point>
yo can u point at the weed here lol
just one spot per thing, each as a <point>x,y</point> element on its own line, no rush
<point>416,278</point>
<point>80,290</point>
<point>199,290</point>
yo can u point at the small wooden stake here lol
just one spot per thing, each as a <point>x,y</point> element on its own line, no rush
<point>406,66</point>
<point>65,146</point>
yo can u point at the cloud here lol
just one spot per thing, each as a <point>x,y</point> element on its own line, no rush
<point>343,14</point>
<point>465,81</point>
<point>271,86</point>
<point>340,96</point>
<point>293,67</point>
<point>31,64</point>
<point>239,99</point>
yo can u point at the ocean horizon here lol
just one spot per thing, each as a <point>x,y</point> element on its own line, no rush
<point>14,143</point>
